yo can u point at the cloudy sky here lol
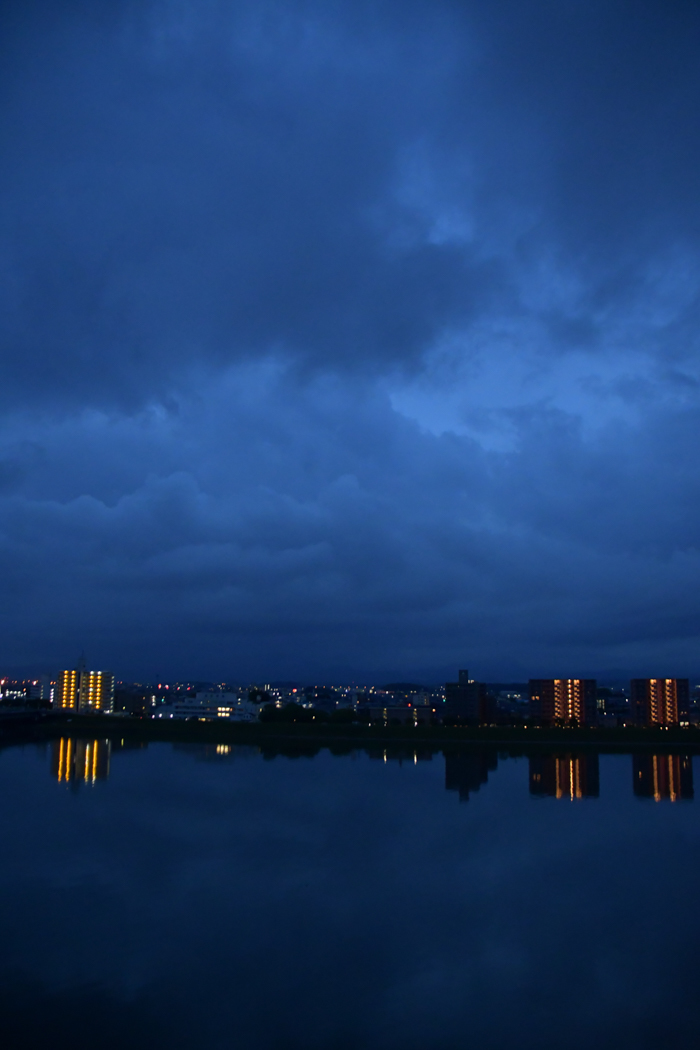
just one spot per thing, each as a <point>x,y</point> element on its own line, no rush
<point>350,340</point>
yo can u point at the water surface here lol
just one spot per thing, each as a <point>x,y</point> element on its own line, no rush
<point>186,896</point>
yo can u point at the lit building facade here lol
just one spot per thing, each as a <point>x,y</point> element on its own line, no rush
<point>663,777</point>
<point>66,695</point>
<point>564,701</point>
<point>84,691</point>
<point>659,701</point>
<point>565,776</point>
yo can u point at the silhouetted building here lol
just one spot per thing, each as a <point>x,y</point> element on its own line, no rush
<point>613,707</point>
<point>565,776</point>
<point>467,701</point>
<point>75,760</point>
<point>84,691</point>
<point>659,701</point>
<point>466,772</point>
<point>563,701</point>
<point>663,777</point>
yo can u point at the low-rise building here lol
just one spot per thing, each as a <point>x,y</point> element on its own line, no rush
<point>212,706</point>
<point>420,714</point>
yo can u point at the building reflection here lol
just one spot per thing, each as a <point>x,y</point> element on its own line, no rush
<point>466,772</point>
<point>569,775</point>
<point>217,752</point>
<point>663,777</point>
<point>75,760</point>
<point>565,776</point>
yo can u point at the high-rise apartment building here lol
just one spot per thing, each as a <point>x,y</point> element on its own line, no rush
<point>66,695</point>
<point>462,699</point>
<point>467,701</point>
<point>84,691</point>
<point>563,700</point>
<point>659,701</point>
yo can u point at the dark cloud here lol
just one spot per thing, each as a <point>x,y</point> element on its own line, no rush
<point>206,188</point>
<point>349,339</point>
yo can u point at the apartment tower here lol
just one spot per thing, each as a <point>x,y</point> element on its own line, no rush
<point>84,691</point>
<point>563,701</point>
<point>659,701</point>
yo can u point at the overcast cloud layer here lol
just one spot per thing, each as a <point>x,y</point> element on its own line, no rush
<point>350,340</point>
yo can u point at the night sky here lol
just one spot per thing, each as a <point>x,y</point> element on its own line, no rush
<point>350,340</point>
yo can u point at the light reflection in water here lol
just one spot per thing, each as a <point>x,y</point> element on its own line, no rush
<point>568,776</point>
<point>185,855</point>
<point>665,778</point>
<point>74,760</point>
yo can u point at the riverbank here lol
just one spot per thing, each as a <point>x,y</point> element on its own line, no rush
<point>40,726</point>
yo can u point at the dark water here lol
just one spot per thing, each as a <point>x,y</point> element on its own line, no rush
<point>187,897</point>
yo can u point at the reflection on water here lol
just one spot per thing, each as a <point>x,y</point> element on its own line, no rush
<point>82,760</point>
<point>74,760</point>
<point>663,777</point>
<point>279,897</point>
<point>569,776</point>
<point>565,776</point>
<point>465,773</point>
<point>217,752</point>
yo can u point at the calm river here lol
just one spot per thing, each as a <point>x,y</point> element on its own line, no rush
<point>191,896</point>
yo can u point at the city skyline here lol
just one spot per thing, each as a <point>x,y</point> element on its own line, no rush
<point>553,703</point>
<point>349,516</point>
